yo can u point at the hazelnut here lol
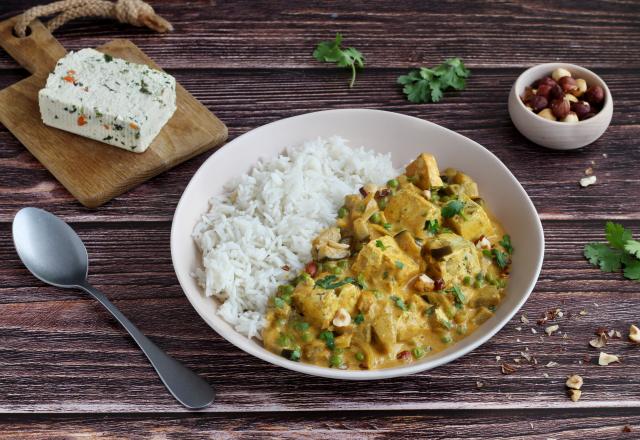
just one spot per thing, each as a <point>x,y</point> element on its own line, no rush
<point>581,87</point>
<point>537,102</point>
<point>581,108</point>
<point>575,395</point>
<point>571,118</point>
<point>560,108</point>
<point>544,81</point>
<point>559,73</point>
<point>543,90</point>
<point>342,318</point>
<point>528,93</point>
<point>567,83</point>
<point>606,359</point>
<point>634,333</point>
<point>556,92</point>
<point>575,382</point>
<point>569,97</point>
<point>594,94</point>
<point>547,114</point>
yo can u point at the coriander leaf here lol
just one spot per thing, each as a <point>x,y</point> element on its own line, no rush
<point>330,282</point>
<point>332,52</point>
<point>502,258</point>
<point>633,247</point>
<point>506,243</point>
<point>632,270</point>
<point>601,255</point>
<point>380,244</point>
<point>428,85</point>
<point>432,226</point>
<point>617,235</point>
<point>452,208</point>
<point>457,292</point>
<point>399,302</point>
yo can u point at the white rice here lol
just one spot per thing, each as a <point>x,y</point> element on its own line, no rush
<point>266,219</point>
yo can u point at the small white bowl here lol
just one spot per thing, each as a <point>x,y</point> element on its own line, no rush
<point>404,137</point>
<point>555,134</point>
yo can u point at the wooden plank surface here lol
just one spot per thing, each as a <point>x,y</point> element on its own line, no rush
<point>250,63</point>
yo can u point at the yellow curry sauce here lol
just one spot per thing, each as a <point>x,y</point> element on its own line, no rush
<point>409,269</point>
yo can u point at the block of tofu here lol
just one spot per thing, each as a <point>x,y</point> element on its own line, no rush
<point>451,258</point>
<point>382,264</point>
<point>410,210</point>
<point>425,170</point>
<point>474,223</point>
<point>108,99</point>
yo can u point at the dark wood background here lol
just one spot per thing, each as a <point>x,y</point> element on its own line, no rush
<point>66,368</point>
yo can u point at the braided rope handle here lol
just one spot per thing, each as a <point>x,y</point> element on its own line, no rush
<point>135,12</point>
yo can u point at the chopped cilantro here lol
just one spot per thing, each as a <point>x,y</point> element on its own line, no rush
<point>399,302</point>
<point>432,226</point>
<point>506,244</point>
<point>452,208</point>
<point>380,244</point>
<point>399,264</point>
<point>359,319</point>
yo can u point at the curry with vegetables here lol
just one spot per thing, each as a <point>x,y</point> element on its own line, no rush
<point>408,269</point>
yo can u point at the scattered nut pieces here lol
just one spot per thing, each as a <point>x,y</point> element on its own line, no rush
<point>342,318</point>
<point>533,330</point>
<point>575,382</point>
<point>575,395</point>
<point>479,384</point>
<point>524,319</point>
<point>552,364</point>
<point>626,428</point>
<point>582,312</point>
<point>526,355</point>
<point>598,342</point>
<point>551,329</point>
<point>634,334</point>
<point>587,181</point>
<point>507,369</point>
<point>606,359</point>
<point>588,171</point>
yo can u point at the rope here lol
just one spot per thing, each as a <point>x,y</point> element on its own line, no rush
<point>135,12</point>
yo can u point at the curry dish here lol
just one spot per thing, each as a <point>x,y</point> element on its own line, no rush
<point>408,269</point>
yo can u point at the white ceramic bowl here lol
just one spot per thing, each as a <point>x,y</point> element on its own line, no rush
<point>554,134</point>
<point>405,137</point>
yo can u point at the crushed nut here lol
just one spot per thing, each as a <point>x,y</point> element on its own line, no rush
<point>626,428</point>
<point>588,171</point>
<point>575,382</point>
<point>634,334</point>
<point>507,369</point>
<point>497,358</point>
<point>598,342</point>
<point>519,329</point>
<point>582,312</point>
<point>552,364</point>
<point>587,181</point>
<point>575,395</point>
<point>342,318</point>
<point>606,359</point>
<point>533,330</point>
<point>483,243</point>
<point>526,355</point>
<point>423,283</point>
<point>524,319</point>
<point>545,375</point>
<point>551,329</point>
<point>479,384</point>
<point>427,194</point>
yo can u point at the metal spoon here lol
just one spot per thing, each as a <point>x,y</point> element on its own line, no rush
<point>54,253</point>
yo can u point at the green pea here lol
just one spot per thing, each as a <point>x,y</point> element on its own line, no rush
<point>466,281</point>
<point>375,218</point>
<point>359,356</point>
<point>306,337</point>
<point>446,339</point>
<point>342,264</point>
<point>418,352</point>
<point>286,289</point>
<point>393,183</point>
<point>382,203</point>
<point>336,270</point>
<point>342,212</point>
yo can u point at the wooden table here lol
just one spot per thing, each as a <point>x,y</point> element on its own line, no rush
<point>67,367</point>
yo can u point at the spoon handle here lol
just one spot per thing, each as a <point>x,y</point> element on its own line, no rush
<point>187,387</point>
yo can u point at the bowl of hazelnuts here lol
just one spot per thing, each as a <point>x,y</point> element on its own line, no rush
<point>560,106</point>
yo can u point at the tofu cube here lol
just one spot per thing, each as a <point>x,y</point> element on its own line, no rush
<point>425,169</point>
<point>474,223</point>
<point>451,258</point>
<point>383,264</point>
<point>410,210</point>
<point>108,99</point>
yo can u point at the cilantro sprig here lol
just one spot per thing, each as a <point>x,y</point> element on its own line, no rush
<point>452,208</point>
<point>333,52</point>
<point>428,84</point>
<point>621,253</point>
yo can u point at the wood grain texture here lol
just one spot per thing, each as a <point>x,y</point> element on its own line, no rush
<point>91,171</point>
<point>450,425</point>
<point>480,112</point>
<point>62,352</point>
<point>251,63</point>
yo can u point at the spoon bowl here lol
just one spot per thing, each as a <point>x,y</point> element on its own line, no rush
<point>49,248</point>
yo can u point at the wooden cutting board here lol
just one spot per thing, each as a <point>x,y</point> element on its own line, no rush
<point>92,171</point>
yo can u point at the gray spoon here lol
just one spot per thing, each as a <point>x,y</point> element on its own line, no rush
<point>54,253</point>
